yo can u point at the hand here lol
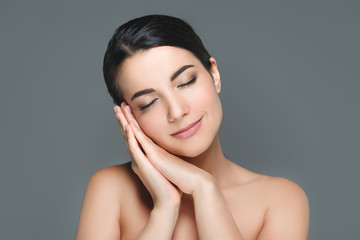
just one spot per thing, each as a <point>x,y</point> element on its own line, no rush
<point>153,160</point>
<point>187,177</point>
<point>162,191</point>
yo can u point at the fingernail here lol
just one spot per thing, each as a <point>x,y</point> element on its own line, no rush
<point>133,123</point>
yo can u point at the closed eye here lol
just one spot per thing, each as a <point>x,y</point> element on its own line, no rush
<point>193,80</point>
<point>142,108</point>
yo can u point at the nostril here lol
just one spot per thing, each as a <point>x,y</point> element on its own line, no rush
<point>177,108</point>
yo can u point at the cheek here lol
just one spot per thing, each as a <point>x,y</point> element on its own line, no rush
<point>210,104</point>
<point>151,124</point>
<point>207,99</point>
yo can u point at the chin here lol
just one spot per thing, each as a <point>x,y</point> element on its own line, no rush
<point>190,149</point>
<point>186,153</point>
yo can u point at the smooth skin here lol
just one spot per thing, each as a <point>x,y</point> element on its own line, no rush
<point>183,188</point>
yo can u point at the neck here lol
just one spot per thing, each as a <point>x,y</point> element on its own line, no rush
<point>212,160</point>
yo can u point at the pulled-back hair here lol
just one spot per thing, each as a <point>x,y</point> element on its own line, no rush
<point>144,33</point>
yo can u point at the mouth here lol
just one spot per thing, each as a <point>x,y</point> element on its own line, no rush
<point>189,130</point>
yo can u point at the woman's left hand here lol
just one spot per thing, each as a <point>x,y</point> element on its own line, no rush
<point>187,177</point>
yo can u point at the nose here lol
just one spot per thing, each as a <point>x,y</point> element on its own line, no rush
<point>178,108</point>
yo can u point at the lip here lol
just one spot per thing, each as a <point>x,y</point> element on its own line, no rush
<point>188,130</point>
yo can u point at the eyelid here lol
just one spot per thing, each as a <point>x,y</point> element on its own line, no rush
<point>142,108</point>
<point>193,79</point>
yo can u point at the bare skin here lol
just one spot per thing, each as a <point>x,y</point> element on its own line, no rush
<point>183,188</point>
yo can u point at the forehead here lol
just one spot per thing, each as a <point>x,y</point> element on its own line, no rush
<point>148,68</point>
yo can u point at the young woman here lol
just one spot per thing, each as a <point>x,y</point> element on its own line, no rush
<point>178,185</point>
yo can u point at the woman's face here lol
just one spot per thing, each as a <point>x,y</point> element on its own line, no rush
<point>173,98</point>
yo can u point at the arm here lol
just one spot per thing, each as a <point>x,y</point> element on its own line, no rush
<point>213,216</point>
<point>161,223</point>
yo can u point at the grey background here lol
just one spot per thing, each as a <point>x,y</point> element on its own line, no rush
<point>290,83</point>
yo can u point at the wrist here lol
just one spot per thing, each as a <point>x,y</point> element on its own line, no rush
<point>164,217</point>
<point>166,211</point>
<point>169,203</point>
<point>206,185</point>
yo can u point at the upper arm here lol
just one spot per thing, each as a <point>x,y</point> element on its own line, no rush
<point>100,212</point>
<point>287,216</point>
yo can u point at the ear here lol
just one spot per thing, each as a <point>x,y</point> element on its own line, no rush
<point>215,74</point>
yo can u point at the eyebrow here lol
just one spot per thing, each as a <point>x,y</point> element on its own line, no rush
<point>142,92</point>
<point>172,78</point>
<point>179,71</point>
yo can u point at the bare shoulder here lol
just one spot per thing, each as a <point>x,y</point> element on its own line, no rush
<point>281,206</point>
<point>100,212</point>
<point>284,188</point>
<point>287,211</point>
<point>278,192</point>
<point>278,188</point>
<point>109,185</point>
<point>273,189</point>
<point>109,182</point>
<point>111,177</point>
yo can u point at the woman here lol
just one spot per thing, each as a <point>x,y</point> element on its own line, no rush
<point>178,185</point>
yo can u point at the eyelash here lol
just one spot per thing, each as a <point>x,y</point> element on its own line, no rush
<point>142,108</point>
<point>193,80</point>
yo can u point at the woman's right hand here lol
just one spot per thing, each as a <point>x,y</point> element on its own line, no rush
<point>162,191</point>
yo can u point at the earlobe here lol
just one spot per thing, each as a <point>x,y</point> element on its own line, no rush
<point>215,74</point>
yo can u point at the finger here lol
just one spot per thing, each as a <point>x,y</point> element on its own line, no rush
<point>134,166</point>
<point>144,140</point>
<point>139,160</point>
<point>121,119</point>
<point>143,168</point>
<point>129,115</point>
<point>127,112</point>
<point>135,150</point>
<point>124,125</point>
